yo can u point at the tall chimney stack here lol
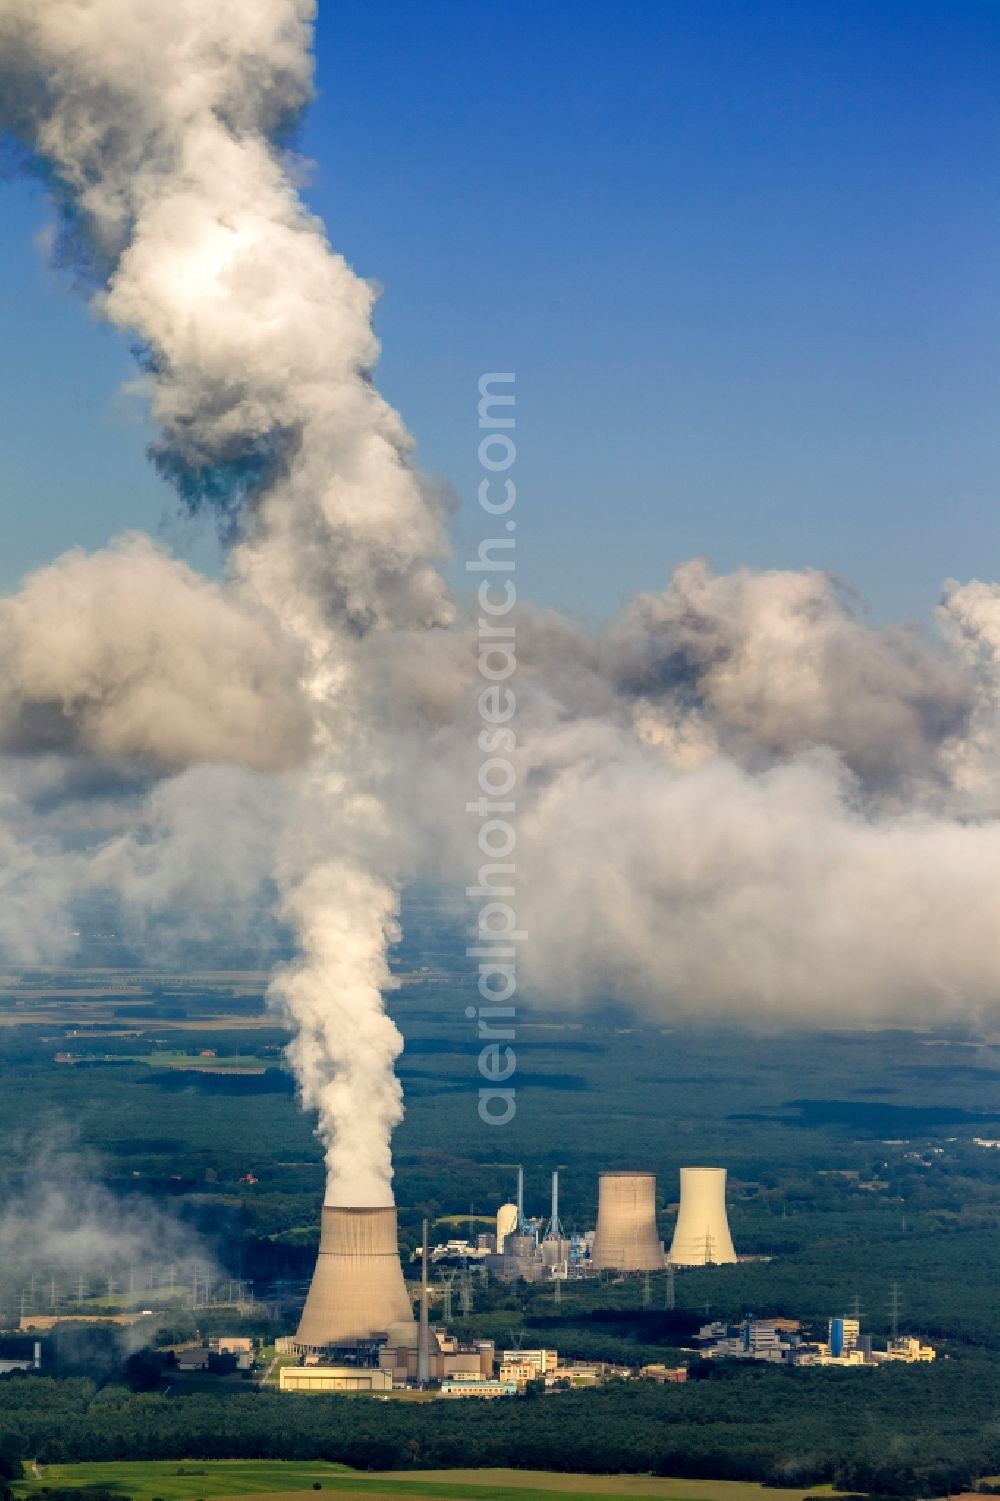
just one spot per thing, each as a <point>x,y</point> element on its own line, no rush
<point>357,1289</point>
<point>627,1239</point>
<point>555,1246</point>
<point>424,1338</point>
<point>554,1229</point>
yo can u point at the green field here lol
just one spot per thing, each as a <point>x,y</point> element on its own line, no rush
<point>218,1063</point>
<point>230,1478</point>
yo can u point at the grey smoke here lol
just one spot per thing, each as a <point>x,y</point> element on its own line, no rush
<point>60,1222</point>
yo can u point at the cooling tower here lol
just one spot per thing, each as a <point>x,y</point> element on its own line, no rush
<point>357,1289</point>
<point>627,1238</point>
<point>702,1233</point>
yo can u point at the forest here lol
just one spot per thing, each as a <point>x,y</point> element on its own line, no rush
<point>904,1432</point>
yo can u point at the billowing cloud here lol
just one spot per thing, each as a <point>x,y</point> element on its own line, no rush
<point>738,798</point>
<point>38,878</point>
<point>194,864</point>
<point>767,896</point>
<point>777,662</point>
<point>128,655</point>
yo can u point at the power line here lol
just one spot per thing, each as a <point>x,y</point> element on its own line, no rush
<point>894,1310</point>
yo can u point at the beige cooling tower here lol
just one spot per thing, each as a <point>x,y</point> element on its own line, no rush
<point>627,1239</point>
<point>357,1288</point>
<point>701,1235</point>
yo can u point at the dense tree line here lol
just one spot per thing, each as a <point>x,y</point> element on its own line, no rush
<point>905,1431</point>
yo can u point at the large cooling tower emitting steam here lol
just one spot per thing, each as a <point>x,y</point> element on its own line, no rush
<point>627,1239</point>
<point>357,1289</point>
<point>701,1235</point>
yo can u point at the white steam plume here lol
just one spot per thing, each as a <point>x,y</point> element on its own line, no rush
<point>158,127</point>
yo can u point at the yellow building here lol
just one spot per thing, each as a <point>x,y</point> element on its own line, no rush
<point>577,1374</point>
<point>542,1362</point>
<point>909,1349</point>
<point>333,1378</point>
<point>664,1374</point>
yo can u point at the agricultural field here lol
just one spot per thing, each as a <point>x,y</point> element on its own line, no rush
<point>149,1480</point>
<point>204,1061</point>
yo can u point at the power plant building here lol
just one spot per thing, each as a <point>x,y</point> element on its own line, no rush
<point>521,1259</point>
<point>446,1359</point>
<point>701,1235</point>
<point>506,1225</point>
<point>556,1246</point>
<point>627,1239</point>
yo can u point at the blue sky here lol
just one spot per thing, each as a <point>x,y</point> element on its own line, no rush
<point>742,256</point>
